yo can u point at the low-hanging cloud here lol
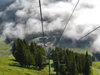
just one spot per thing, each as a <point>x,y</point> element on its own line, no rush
<point>55,16</point>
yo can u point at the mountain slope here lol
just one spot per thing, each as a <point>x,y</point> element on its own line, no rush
<point>5,49</point>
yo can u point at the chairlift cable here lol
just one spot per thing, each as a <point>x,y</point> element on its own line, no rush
<point>68,21</point>
<point>42,21</point>
<point>83,36</point>
<point>86,34</point>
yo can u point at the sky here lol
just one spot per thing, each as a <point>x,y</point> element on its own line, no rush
<point>55,14</point>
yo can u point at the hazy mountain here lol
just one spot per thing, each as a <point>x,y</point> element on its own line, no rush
<point>5,1</point>
<point>4,6</point>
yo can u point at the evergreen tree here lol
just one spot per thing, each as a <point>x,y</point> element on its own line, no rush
<point>62,67</point>
<point>93,58</point>
<point>67,63</point>
<point>80,68</point>
<point>14,49</point>
<point>28,58</point>
<point>74,70</point>
<point>32,47</point>
<point>27,54</point>
<point>57,65</point>
<point>87,68</point>
<point>75,63</point>
<point>39,59</point>
<point>19,53</point>
<point>86,54</point>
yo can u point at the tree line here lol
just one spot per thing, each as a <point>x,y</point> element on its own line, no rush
<point>67,62</point>
<point>28,55</point>
<point>97,55</point>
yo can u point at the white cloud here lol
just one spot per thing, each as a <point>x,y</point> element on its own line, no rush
<point>96,45</point>
<point>0,13</point>
<point>55,15</point>
<point>22,14</point>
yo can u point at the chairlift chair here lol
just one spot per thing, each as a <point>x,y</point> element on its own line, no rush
<point>54,60</point>
<point>45,63</point>
<point>62,62</point>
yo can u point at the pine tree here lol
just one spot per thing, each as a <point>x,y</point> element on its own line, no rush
<point>87,68</point>
<point>62,68</point>
<point>80,68</point>
<point>86,54</point>
<point>28,55</point>
<point>39,59</point>
<point>74,70</point>
<point>68,66</point>
<point>32,47</point>
<point>14,49</point>
<point>57,65</point>
<point>28,58</point>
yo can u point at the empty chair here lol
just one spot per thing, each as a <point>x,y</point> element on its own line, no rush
<point>45,63</point>
<point>62,63</point>
<point>62,60</point>
<point>54,60</point>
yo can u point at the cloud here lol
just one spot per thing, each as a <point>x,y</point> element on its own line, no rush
<point>0,13</point>
<point>96,45</point>
<point>55,16</point>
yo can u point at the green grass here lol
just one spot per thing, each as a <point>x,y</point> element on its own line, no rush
<point>82,51</point>
<point>9,67</point>
<point>95,71</point>
<point>4,48</point>
<point>96,68</point>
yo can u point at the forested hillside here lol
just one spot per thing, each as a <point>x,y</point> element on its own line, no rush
<point>67,62</point>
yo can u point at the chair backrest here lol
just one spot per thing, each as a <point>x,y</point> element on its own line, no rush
<point>62,63</point>
<point>44,63</point>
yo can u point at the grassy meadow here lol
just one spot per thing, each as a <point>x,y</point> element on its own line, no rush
<point>8,65</point>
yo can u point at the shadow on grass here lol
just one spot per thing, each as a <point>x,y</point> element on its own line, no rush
<point>13,60</point>
<point>16,64</point>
